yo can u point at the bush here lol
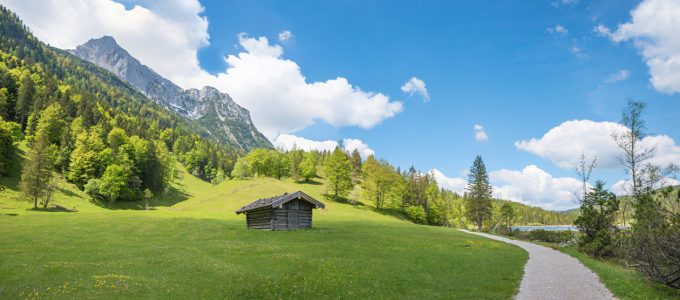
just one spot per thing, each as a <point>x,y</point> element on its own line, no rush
<point>416,214</point>
<point>542,235</point>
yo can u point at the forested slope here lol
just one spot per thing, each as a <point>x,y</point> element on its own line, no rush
<point>92,125</point>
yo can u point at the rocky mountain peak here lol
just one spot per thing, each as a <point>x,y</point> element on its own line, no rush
<point>217,112</point>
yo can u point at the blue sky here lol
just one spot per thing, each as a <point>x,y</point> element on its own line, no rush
<point>518,69</point>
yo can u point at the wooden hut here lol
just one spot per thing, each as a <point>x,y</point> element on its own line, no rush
<point>287,211</point>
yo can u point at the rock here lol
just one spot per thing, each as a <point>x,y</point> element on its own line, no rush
<point>216,112</point>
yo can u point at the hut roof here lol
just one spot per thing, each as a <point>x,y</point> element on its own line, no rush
<point>278,200</point>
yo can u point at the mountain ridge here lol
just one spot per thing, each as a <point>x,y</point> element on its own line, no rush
<point>229,124</point>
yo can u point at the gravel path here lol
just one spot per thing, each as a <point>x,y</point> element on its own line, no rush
<point>551,274</point>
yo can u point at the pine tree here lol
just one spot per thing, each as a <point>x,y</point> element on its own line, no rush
<point>355,163</point>
<point>26,95</point>
<point>4,109</point>
<point>478,203</point>
<point>37,171</point>
<point>338,172</point>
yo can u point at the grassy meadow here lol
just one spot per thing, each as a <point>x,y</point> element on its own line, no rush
<point>192,245</point>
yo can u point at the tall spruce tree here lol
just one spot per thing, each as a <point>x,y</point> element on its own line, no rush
<point>26,95</point>
<point>355,163</point>
<point>37,171</point>
<point>338,172</point>
<point>478,203</point>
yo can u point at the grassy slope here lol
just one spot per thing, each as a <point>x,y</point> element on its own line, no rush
<point>192,245</point>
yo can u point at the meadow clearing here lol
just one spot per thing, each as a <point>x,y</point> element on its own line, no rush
<point>193,245</point>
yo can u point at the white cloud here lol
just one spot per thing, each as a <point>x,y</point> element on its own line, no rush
<point>558,29</point>
<point>281,101</point>
<point>565,2</point>
<point>286,141</point>
<point>654,32</point>
<point>622,187</point>
<point>364,151</point>
<point>564,144</point>
<point>535,187</point>
<point>578,52</point>
<point>480,135</point>
<point>621,75</point>
<point>453,184</point>
<point>286,37</point>
<point>165,35</point>
<point>531,186</point>
<point>416,85</point>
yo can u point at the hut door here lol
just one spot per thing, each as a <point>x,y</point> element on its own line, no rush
<point>293,222</point>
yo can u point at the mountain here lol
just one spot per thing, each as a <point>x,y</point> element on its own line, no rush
<point>216,112</point>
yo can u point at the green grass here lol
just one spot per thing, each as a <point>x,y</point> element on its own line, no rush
<point>623,282</point>
<point>192,245</point>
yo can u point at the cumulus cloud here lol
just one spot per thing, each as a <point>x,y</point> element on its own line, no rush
<point>286,37</point>
<point>558,29</point>
<point>453,184</point>
<point>480,135</point>
<point>416,85</point>
<point>621,75</point>
<point>535,187</point>
<point>287,141</point>
<point>653,32</point>
<point>623,187</point>
<point>281,101</point>
<point>531,186</point>
<point>564,144</point>
<point>165,35</point>
<point>364,151</point>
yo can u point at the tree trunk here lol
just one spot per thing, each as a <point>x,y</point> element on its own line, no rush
<point>35,203</point>
<point>21,126</point>
<point>479,223</point>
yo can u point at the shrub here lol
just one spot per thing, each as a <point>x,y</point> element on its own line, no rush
<point>416,214</point>
<point>542,235</point>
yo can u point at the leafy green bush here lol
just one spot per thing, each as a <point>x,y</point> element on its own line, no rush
<point>542,235</point>
<point>416,214</point>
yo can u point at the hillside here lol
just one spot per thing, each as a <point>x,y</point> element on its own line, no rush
<point>216,112</point>
<point>193,245</point>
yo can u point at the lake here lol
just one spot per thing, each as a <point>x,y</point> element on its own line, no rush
<point>553,228</point>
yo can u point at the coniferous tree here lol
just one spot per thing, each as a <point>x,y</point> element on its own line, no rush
<point>598,214</point>
<point>4,109</point>
<point>37,171</point>
<point>338,173</point>
<point>8,148</point>
<point>26,95</point>
<point>355,163</point>
<point>478,203</point>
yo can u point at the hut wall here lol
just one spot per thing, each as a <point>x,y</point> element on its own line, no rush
<point>303,210</point>
<point>260,219</point>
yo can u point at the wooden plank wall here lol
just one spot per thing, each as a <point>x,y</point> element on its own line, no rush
<point>260,219</point>
<point>277,219</point>
<point>281,218</point>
